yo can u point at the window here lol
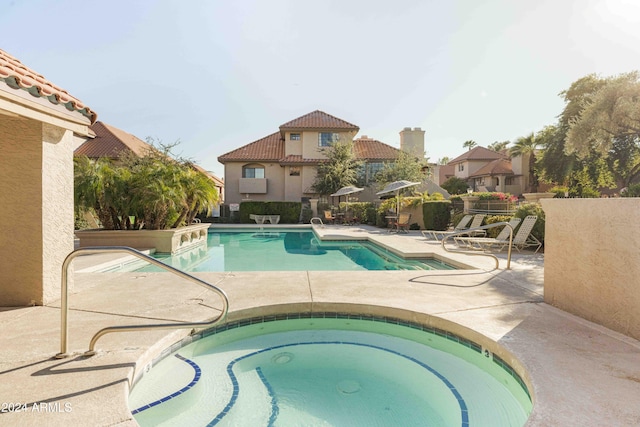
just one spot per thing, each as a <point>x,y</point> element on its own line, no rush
<point>327,138</point>
<point>294,137</point>
<point>460,167</point>
<point>294,170</point>
<point>509,180</point>
<point>367,172</point>
<point>253,171</point>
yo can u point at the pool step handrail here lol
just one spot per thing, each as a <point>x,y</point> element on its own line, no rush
<point>64,302</point>
<point>484,227</point>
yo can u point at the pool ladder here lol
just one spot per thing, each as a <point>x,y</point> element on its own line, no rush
<point>64,303</point>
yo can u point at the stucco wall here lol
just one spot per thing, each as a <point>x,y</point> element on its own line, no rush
<point>36,213</point>
<point>592,260</point>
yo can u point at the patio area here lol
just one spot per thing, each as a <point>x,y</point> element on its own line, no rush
<point>579,373</point>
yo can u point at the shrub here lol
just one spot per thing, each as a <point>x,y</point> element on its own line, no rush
<point>493,232</point>
<point>436,214</point>
<point>289,211</point>
<point>364,211</point>
<point>559,190</point>
<point>632,190</point>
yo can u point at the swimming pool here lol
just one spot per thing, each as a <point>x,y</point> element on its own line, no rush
<point>333,370</point>
<point>288,250</point>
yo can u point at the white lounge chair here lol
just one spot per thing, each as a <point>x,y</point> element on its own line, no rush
<point>482,242</point>
<point>477,222</point>
<point>522,239</point>
<point>439,234</point>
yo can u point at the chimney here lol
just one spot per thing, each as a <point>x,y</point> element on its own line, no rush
<point>412,141</point>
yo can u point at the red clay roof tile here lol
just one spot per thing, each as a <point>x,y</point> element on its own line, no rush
<point>268,148</point>
<point>372,149</point>
<point>17,76</point>
<point>496,167</point>
<point>318,120</point>
<point>111,142</point>
<point>478,153</point>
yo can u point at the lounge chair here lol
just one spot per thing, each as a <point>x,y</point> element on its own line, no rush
<point>482,242</point>
<point>329,218</point>
<point>477,222</point>
<point>462,224</point>
<point>522,239</point>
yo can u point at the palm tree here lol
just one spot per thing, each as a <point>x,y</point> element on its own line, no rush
<point>469,144</point>
<point>526,146</point>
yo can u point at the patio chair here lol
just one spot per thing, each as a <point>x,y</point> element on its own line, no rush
<point>522,239</point>
<point>481,242</point>
<point>329,218</point>
<point>403,222</point>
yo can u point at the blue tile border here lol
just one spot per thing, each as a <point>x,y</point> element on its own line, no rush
<point>194,381</point>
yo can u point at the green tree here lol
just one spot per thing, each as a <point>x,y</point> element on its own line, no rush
<point>469,144</point>
<point>444,160</point>
<point>526,146</point>
<point>613,112</point>
<point>405,167</point>
<point>455,185</point>
<point>339,170</point>
<point>498,146</point>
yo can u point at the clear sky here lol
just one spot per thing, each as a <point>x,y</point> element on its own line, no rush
<point>219,74</point>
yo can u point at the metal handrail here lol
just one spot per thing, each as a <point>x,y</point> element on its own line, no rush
<point>64,303</point>
<point>484,227</point>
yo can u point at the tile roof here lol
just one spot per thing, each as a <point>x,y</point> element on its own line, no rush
<point>111,142</point>
<point>496,167</point>
<point>268,148</point>
<point>318,120</point>
<point>478,153</point>
<point>371,149</point>
<point>297,159</point>
<point>19,77</point>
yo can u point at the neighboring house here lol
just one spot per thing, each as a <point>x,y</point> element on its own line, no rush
<point>487,170</point>
<point>112,143</point>
<point>40,125</point>
<point>282,166</point>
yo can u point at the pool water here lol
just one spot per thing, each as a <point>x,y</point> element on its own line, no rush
<point>292,250</point>
<point>330,372</point>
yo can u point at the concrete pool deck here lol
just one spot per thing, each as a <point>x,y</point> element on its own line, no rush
<point>580,373</point>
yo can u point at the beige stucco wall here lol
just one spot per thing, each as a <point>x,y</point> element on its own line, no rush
<point>592,260</point>
<point>36,225</point>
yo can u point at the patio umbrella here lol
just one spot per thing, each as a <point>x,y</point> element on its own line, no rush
<point>345,191</point>
<point>396,186</point>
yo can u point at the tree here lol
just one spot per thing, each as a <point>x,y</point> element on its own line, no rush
<point>339,170</point>
<point>405,167</point>
<point>444,160</point>
<point>612,112</point>
<point>498,146</point>
<point>156,190</point>
<point>469,144</point>
<point>598,122</point>
<point>455,185</point>
<point>526,146</point>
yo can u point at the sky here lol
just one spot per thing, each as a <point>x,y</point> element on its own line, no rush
<point>215,75</point>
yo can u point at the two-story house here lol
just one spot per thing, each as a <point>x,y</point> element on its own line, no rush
<point>282,166</point>
<point>488,170</point>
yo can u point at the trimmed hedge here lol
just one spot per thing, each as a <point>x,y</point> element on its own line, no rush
<point>436,214</point>
<point>289,211</point>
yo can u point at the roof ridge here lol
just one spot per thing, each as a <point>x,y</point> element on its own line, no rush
<point>310,120</point>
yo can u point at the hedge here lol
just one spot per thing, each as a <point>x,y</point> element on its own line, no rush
<point>436,214</point>
<point>289,211</point>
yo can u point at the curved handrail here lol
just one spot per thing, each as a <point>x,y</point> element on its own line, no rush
<point>484,227</point>
<point>64,303</point>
